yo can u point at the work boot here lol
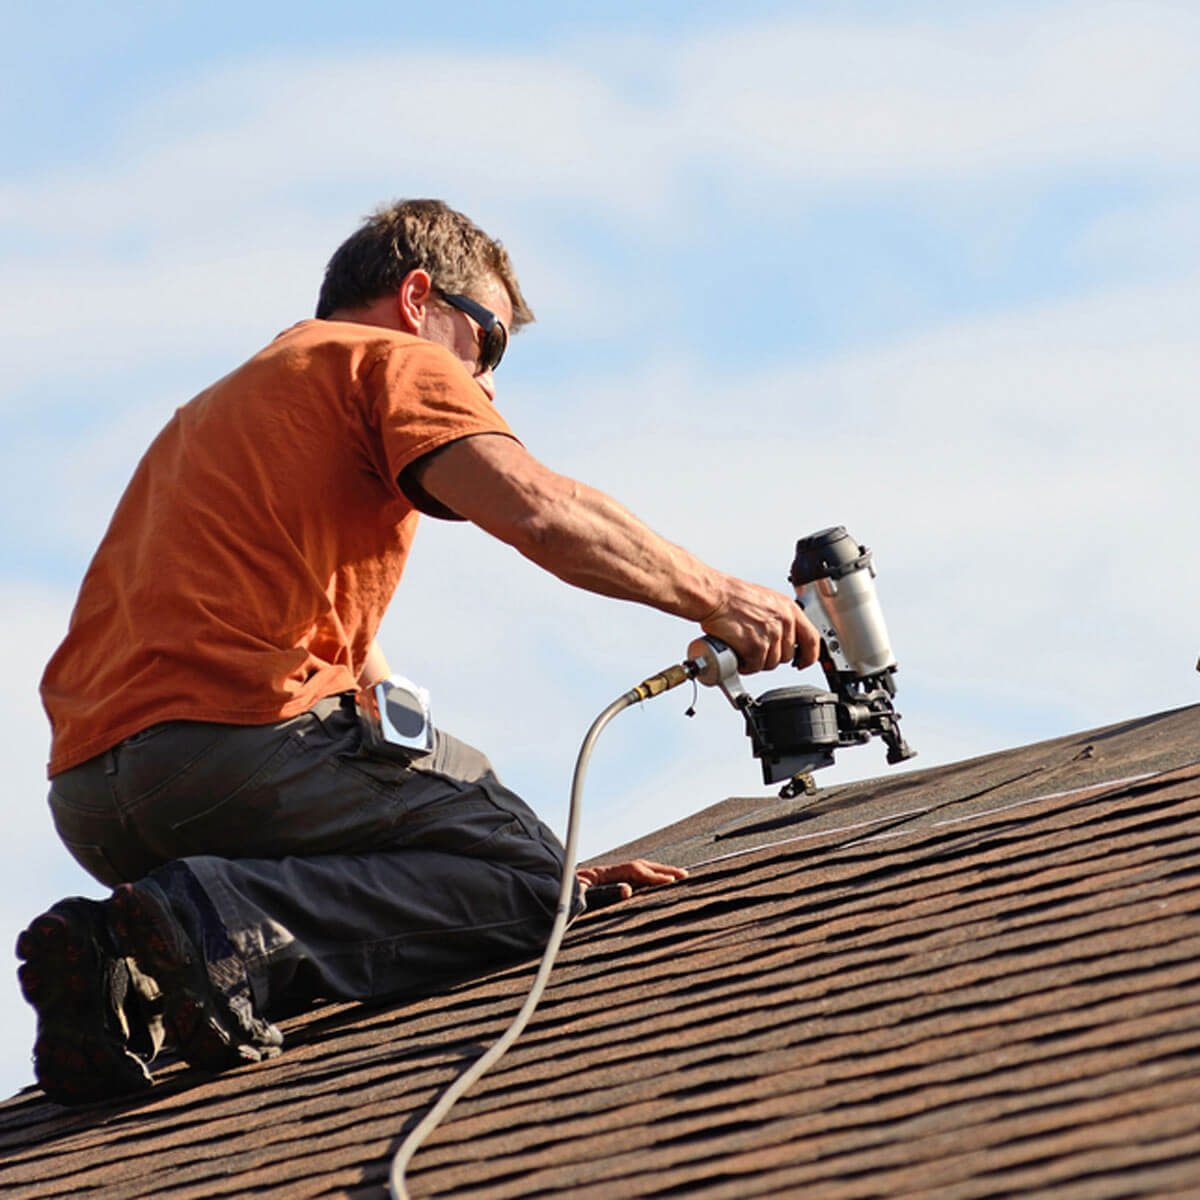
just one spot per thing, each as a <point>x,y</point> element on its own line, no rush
<point>214,1027</point>
<point>80,986</point>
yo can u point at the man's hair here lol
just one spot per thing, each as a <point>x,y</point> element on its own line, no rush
<point>409,234</point>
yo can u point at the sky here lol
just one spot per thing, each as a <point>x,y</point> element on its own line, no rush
<point>931,277</point>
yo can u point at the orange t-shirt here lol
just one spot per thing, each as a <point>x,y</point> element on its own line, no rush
<point>250,560</point>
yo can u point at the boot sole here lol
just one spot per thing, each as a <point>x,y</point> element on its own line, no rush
<point>78,1058</point>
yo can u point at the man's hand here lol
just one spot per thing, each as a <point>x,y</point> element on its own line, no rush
<point>620,880</point>
<point>762,627</point>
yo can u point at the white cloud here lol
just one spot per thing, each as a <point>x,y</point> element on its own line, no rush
<point>208,225</point>
<point>71,324</point>
<point>1155,236</point>
<point>957,97</point>
<point>805,100</point>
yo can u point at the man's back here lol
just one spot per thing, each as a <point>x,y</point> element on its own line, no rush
<point>249,563</point>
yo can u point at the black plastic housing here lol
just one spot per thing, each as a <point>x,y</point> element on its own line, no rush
<point>829,554</point>
<point>793,729</point>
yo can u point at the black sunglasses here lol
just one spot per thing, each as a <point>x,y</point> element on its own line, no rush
<point>495,337</point>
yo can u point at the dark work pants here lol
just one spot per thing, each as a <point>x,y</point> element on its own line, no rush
<point>337,873</point>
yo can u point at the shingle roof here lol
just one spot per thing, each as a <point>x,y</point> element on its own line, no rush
<point>978,980</point>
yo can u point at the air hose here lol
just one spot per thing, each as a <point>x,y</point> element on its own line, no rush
<point>654,686</point>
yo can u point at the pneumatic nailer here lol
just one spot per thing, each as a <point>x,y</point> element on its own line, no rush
<point>795,730</point>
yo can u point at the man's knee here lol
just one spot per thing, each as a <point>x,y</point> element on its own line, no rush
<point>545,899</point>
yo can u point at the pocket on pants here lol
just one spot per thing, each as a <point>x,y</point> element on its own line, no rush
<point>161,758</point>
<point>240,822</point>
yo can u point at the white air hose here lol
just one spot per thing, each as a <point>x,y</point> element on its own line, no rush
<point>653,686</point>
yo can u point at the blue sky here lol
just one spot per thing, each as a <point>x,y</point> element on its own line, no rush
<point>798,265</point>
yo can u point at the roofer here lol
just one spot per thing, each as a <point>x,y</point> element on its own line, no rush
<point>208,757</point>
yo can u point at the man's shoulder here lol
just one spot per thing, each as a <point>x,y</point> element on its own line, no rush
<point>379,360</point>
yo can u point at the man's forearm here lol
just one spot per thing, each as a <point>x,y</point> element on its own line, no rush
<point>590,540</point>
<point>586,538</point>
<point>375,667</point>
<point>569,529</point>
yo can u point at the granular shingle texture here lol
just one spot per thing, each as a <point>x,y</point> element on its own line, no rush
<point>975,981</point>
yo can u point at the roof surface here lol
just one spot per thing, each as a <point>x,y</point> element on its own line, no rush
<point>977,980</point>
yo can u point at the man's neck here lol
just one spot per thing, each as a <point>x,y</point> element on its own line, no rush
<point>381,312</point>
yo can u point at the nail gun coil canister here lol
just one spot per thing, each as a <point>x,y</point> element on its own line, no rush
<point>793,729</point>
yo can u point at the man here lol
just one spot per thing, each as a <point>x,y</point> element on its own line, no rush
<point>209,760</point>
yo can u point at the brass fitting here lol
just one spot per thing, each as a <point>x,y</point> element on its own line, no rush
<point>671,677</point>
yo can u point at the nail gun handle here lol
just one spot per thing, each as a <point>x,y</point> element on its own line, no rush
<point>714,664</point>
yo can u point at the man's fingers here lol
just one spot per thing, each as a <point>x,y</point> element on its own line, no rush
<point>655,872</point>
<point>780,647</point>
<point>755,654</point>
<point>808,643</point>
<point>638,873</point>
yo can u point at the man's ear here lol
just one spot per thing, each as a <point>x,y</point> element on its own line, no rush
<point>412,298</point>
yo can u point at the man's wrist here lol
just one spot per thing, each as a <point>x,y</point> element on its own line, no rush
<point>710,601</point>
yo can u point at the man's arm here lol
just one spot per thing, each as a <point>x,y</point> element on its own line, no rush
<point>587,539</point>
<point>374,669</point>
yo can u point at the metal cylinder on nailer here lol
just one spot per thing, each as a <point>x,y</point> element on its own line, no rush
<point>834,571</point>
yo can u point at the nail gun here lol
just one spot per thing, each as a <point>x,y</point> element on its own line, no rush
<point>795,730</point>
